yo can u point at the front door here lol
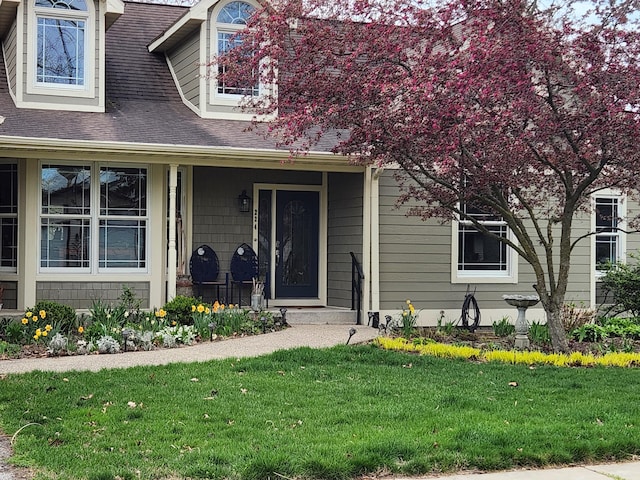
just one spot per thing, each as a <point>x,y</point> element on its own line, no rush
<point>288,242</point>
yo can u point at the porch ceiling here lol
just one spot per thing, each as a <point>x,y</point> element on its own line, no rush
<point>46,148</point>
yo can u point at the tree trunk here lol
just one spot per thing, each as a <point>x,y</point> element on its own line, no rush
<point>556,330</point>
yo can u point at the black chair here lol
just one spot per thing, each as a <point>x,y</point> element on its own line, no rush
<point>204,268</point>
<point>244,269</point>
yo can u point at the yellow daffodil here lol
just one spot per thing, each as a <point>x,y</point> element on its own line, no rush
<point>411,309</point>
<point>193,308</point>
<point>408,302</point>
<point>174,323</point>
<point>43,314</point>
<point>405,313</point>
<point>45,333</point>
<point>48,328</point>
<point>28,314</point>
<point>38,332</point>
<point>80,329</point>
<point>207,311</point>
<point>24,320</point>
<point>200,308</point>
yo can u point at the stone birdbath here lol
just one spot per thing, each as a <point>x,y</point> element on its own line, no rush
<point>521,302</point>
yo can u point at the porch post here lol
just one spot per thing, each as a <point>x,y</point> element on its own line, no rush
<point>172,253</point>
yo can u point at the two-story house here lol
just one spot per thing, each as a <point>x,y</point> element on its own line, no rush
<point>121,154</point>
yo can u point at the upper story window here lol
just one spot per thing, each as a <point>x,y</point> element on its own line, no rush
<point>609,240</point>
<point>61,42</point>
<point>231,19</point>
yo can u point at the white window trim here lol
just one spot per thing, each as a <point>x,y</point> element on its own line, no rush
<point>622,224</point>
<point>79,91</point>
<point>510,275</point>
<point>95,217</point>
<point>216,98</point>
<point>17,217</point>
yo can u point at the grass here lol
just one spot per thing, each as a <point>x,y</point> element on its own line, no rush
<point>323,414</point>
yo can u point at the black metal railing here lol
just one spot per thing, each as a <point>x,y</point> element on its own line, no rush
<point>356,287</point>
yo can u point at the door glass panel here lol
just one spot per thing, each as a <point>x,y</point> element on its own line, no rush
<point>295,244</point>
<point>264,239</point>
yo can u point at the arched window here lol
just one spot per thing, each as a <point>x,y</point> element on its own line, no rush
<point>230,20</point>
<point>61,41</point>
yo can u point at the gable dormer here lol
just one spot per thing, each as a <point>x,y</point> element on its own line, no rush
<point>204,31</point>
<point>54,52</point>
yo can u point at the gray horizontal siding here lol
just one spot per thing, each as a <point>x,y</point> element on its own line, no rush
<point>415,262</point>
<point>11,53</point>
<point>185,62</point>
<point>344,234</point>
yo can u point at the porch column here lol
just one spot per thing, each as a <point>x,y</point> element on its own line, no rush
<point>172,253</point>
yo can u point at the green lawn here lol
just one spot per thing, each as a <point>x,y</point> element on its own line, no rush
<point>325,414</point>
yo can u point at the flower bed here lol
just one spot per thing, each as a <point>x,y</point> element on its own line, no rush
<point>125,327</point>
<point>576,359</point>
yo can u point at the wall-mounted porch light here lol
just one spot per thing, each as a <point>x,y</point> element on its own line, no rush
<point>244,201</point>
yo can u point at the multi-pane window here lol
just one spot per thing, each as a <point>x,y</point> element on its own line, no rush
<point>93,221</point>
<point>479,252</point>
<point>8,216</point>
<point>231,19</point>
<point>608,237</point>
<point>65,224</point>
<point>61,41</point>
<point>123,213</point>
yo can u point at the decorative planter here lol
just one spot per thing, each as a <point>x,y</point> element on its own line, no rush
<point>257,301</point>
<point>184,286</point>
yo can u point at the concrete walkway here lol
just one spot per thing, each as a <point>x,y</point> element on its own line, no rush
<point>315,336</point>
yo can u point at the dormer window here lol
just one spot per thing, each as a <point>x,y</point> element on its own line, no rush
<point>231,19</point>
<point>61,57</point>
<point>61,26</point>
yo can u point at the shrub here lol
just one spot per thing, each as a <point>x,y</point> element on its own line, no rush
<point>574,316</point>
<point>62,316</point>
<point>179,309</point>
<point>622,283</point>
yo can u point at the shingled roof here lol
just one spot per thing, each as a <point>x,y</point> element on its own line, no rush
<point>142,102</point>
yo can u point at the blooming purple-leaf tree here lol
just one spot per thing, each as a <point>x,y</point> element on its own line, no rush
<point>502,106</point>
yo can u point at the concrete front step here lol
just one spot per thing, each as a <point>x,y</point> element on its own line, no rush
<point>320,316</point>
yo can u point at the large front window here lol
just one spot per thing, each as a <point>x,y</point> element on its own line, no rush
<point>61,42</point>
<point>93,218</point>
<point>231,19</point>
<point>8,216</point>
